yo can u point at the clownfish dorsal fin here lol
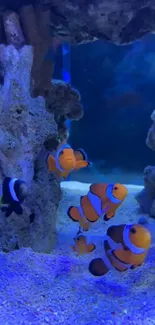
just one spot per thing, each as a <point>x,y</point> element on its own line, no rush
<point>99,190</point>
<point>116,233</point>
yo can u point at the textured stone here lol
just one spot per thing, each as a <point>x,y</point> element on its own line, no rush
<point>65,103</point>
<point>150,140</point>
<point>119,21</point>
<point>24,126</point>
<point>146,197</point>
<point>63,100</point>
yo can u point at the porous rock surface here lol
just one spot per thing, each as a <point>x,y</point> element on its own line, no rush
<point>24,126</point>
<point>119,21</point>
<point>150,140</point>
<point>64,102</point>
<point>146,197</point>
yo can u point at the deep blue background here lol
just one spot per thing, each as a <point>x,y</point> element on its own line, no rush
<point>117,86</point>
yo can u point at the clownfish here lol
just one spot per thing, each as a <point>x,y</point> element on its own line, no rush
<point>81,244</point>
<point>66,160</point>
<point>101,200</point>
<point>124,247</point>
<point>14,192</point>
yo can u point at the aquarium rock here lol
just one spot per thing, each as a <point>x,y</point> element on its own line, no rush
<point>117,21</point>
<point>24,126</point>
<point>79,21</point>
<point>150,140</point>
<point>146,197</point>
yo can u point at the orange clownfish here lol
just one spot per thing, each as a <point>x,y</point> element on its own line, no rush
<point>81,244</point>
<point>102,199</point>
<point>124,247</point>
<point>66,160</point>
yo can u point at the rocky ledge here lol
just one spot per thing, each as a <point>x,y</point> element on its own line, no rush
<point>119,21</point>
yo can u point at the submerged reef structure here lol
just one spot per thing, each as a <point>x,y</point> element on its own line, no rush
<point>30,26</point>
<point>117,21</point>
<point>79,21</point>
<point>65,103</point>
<point>150,140</point>
<point>30,115</point>
<point>25,124</point>
<point>146,197</point>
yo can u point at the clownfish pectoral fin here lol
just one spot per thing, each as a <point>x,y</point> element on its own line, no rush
<point>67,176</point>
<point>51,163</point>
<point>81,164</point>
<point>73,213</point>
<point>97,267</point>
<point>90,248</point>
<point>64,175</point>
<point>107,217</point>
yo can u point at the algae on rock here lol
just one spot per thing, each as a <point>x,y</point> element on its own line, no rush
<point>25,124</point>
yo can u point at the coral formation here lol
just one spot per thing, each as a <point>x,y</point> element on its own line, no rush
<point>35,24</point>
<point>146,197</point>
<point>150,140</point>
<point>25,124</point>
<point>117,21</point>
<point>30,26</point>
<point>65,103</point>
<point>82,21</point>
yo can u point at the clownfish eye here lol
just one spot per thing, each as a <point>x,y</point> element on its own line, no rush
<point>61,153</point>
<point>115,188</point>
<point>133,230</point>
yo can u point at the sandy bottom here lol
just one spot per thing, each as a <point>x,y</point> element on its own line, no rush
<point>39,289</point>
